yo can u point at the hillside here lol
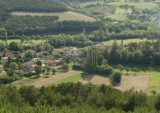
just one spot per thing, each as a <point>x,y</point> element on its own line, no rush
<point>31,5</point>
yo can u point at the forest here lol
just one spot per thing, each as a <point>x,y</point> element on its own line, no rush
<point>65,99</point>
<point>28,25</point>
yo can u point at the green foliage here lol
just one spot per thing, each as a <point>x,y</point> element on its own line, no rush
<point>65,67</point>
<point>116,77</point>
<point>73,98</point>
<point>33,25</point>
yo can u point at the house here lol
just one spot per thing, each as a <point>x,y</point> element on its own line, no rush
<point>39,55</point>
<point>4,60</point>
<point>36,59</point>
<point>1,69</point>
<point>28,67</point>
<point>51,63</point>
<point>72,51</point>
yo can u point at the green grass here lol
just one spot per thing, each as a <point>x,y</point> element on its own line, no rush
<point>127,41</point>
<point>120,14</point>
<point>141,6</point>
<point>39,41</point>
<point>73,78</point>
<point>155,82</point>
<point>118,17</point>
<point>67,16</point>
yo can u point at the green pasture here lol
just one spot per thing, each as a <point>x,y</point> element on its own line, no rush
<point>31,41</point>
<point>125,42</point>
<point>155,83</point>
<point>142,6</point>
<point>73,78</point>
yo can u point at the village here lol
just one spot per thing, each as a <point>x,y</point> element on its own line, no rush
<point>31,63</point>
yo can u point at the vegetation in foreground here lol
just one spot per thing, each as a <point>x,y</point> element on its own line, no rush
<point>65,99</point>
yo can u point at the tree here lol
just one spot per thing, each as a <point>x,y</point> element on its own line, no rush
<point>114,52</point>
<point>39,63</point>
<point>53,71</point>
<point>48,47</point>
<point>91,61</point>
<point>38,70</point>
<point>120,67</point>
<point>13,66</point>
<point>88,43</point>
<point>14,46</point>
<point>116,77</point>
<point>65,67</point>
<point>157,103</point>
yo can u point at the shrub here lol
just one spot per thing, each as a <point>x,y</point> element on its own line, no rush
<point>116,77</point>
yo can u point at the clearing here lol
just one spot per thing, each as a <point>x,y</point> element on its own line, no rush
<point>127,41</point>
<point>141,6</point>
<point>127,83</point>
<point>68,16</point>
<point>26,42</point>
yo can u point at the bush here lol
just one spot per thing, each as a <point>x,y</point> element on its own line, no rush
<point>105,70</point>
<point>77,67</point>
<point>53,71</point>
<point>65,67</point>
<point>116,77</point>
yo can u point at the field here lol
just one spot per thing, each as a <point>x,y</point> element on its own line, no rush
<point>55,79</point>
<point>39,41</point>
<point>127,83</point>
<point>72,78</point>
<point>155,82</point>
<point>69,15</point>
<point>120,14</point>
<point>141,6</point>
<point>127,41</point>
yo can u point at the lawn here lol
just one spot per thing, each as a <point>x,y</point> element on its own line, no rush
<point>127,41</point>
<point>120,14</point>
<point>68,16</point>
<point>141,6</point>
<point>155,82</point>
<point>73,78</point>
<point>118,17</point>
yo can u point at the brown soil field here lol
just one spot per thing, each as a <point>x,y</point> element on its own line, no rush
<point>138,83</point>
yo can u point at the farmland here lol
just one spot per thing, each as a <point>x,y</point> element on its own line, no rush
<point>155,82</point>
<point>62,15</point>
<point>141,6</point>
<point>127,41</point>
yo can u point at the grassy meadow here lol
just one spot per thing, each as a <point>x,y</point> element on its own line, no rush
<point>141,6</point>
<point>127,41</point>
<point>69,15</point>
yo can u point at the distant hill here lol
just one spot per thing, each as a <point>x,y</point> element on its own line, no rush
<point>31,5</point>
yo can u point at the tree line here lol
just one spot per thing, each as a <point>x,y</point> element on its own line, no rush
<point>29,25</point>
